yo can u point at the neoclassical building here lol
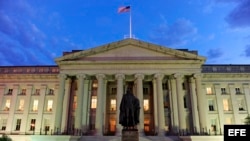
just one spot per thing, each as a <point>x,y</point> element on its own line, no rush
<point>179,94</point>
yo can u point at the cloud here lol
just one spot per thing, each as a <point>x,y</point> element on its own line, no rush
<point>214,53</point>
<point>177,34</point>
<point>239,16</point>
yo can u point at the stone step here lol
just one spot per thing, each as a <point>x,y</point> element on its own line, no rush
<point>118,138</point>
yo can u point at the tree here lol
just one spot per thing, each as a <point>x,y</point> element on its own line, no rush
<point>247,120</point>
<point>5,138</point>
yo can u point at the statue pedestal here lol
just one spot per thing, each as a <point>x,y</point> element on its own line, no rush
<point>130,135</point>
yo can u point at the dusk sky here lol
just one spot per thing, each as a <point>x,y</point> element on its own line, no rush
<point>35,32</point>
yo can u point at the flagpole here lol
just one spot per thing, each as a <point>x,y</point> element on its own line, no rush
<point>130,24</point>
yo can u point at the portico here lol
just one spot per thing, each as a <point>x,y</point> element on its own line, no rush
<point>161,79</point>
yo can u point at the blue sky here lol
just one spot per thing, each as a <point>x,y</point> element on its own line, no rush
<point>36,32</point>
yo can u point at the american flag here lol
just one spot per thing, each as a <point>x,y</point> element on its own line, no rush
<point>123,9</point>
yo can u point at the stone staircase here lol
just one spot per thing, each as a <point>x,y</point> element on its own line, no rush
<point>118,138</point>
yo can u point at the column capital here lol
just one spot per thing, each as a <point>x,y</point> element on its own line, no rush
<point>159,76</point>
<point>100,76</point>
<point>78,76</point>
<point>191,80</point>
<point>197,75</point>
<point>139,76</point>
<point>62,75</point>
<point>119,76</point>
<point>178,75</point>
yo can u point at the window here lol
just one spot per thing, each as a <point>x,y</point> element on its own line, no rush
<point>209,90</point>
<point>223,90</point>
<point>75,103</point>
<point>146,104</point>
<point>165,86</point>
<point>32,124</point>
<point>93,102</point>
<point>237,91</point>
<point>241,104</point>
<point>46,124</point>
<point>37,92</point>
<point>51,92</point>
<point>211,104</point>
<point>3,124</point>
<point>7,105</point>
<point>213,125</point>
<point>145,90</point>
<point>21,105</point>
<point>18,124</point>
<point>95,85</point>
<point>183,86</point>
<point>35,105</point>
<point>185,101</point>
<point>49,105</point>
<point>226,106</point>
<point>113,91</point>
<point>23,92</point>
<point>10,92</point>
<point>112,104</point>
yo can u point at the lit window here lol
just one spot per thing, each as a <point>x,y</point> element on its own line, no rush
<point>209,90</point>
<point>49,106</point>
<point>75,103</point>
<point>112,125</point>
<point>146,125</point>
<point>226,106</point>
<point>94,85</point>
<point>35,105</point>
<point>21,105</point>
<point>18,124</point>
<point>7,105</point>
<point>32,124</point>
<point>113,105</point>
<point>146,104</point>
<point>93,102</point>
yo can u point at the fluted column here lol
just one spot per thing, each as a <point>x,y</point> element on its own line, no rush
<point>174,106</point>
<point>180,101</point>
<point>139,82</point>
<point>120,78</point>
<point>201,101</point>
<point>196,121</point>
<point>85,104</point>
<point>79,95</point>
<point>59,106</point>
<point>99,106</point>
<point>160,106</point>
<point>155,95</point>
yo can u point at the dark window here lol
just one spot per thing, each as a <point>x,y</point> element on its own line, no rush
<point>32,124</point>
<point>18,124</point>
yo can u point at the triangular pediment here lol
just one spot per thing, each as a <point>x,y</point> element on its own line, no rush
<point>129,49</point>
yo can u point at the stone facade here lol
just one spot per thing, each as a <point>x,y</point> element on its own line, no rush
<point>178,93</point>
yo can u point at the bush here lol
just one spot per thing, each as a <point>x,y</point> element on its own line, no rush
<point>5,138</point>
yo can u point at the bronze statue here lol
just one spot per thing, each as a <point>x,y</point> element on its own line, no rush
<point>129,111</point>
